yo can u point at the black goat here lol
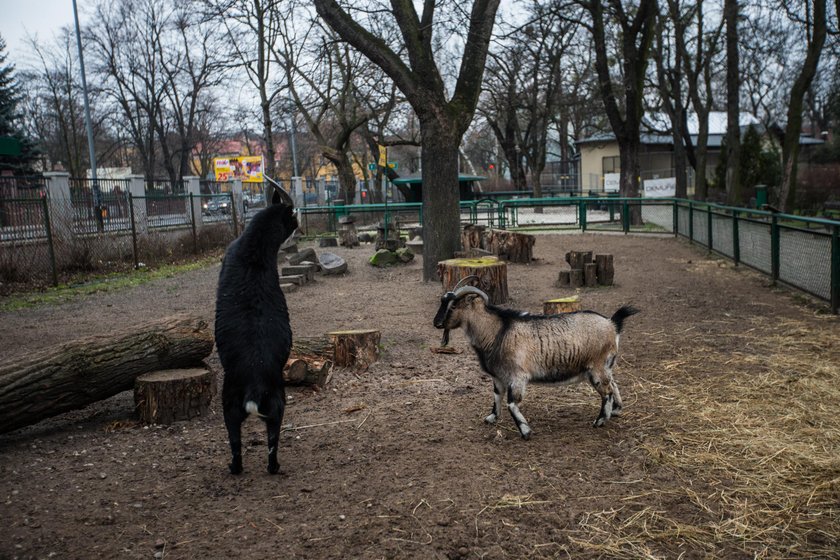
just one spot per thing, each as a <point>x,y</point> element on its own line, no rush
<point>253,335</point>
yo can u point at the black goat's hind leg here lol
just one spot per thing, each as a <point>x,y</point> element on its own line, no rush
<point>272,426</point>
<point>234,416</point>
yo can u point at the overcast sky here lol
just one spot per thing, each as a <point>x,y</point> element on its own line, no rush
<point>41,18</point>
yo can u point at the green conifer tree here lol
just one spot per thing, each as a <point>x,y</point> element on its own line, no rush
<point>17,152</point>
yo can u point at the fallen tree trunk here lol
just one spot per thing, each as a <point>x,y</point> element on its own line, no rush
<point>84,371</point>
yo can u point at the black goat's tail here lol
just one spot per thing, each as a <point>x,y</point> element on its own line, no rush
<point>619,316</point>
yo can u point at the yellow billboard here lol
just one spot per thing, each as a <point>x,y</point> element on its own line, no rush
<point>247,168</point>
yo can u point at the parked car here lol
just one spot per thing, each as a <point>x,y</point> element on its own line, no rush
<point>216,206</point>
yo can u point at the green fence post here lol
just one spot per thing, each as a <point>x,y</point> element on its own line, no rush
<point>233,215</point>
<point>676,218</point>
<point>192,219</point>
<point>690,222</point>
<point>835,271</point>
<point>709,226</point>
<point>582,212</point>
<point>50,247</point>
<point>774,249</point>
<point>133,231</point>
<point>736,239</point>
<point>626,215</point>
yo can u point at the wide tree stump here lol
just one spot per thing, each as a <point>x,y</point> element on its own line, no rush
<point>164,397</point>
<point>491,273</point>
<point>570,278</point>
<point>78,373</point>
<point>507,245</point>
<point>561,305</point>
<point>577,259</point>
<point>606,270</point>
<point>347,236</point>
<point>357,348</point>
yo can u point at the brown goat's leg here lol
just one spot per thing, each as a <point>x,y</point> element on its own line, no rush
<point>498,392</point>
<point>617,404</point>
<point>602,383</point>
<point>515,393</point>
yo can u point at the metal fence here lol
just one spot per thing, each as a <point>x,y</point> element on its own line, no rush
<point>44,239</point>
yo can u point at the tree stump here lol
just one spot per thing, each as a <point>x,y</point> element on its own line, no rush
<point>606,271</point>
<point>577,259</point>
<point>164,397</point>
<point>507,245</point>
<point>491,273</point>
<point>590,278</point>
<point>570,278</point>
<point>76,374</point>
<point>347,236</point>
<point>307,371</point>
<point>561,305</point>
<point>358,348</point>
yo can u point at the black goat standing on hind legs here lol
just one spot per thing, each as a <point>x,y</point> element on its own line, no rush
<point>253,335</point>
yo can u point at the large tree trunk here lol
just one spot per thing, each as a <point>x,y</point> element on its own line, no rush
<point>79,373</point>
<point>346,177</point>
<point>733,112</point>
<point>441,211</point>
<point>630,171</point>
<point>790,148</point>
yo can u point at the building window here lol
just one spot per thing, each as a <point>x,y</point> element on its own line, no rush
<point>611,164</point>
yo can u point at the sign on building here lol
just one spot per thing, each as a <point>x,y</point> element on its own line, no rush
<point>247,168</point>
<point>612,182</point>
<point>660,188</point>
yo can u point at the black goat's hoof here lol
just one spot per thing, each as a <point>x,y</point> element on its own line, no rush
<point>235,467</point>
<point>273,468</point>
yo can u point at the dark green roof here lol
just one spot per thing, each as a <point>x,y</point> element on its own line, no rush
<point>415,180</point>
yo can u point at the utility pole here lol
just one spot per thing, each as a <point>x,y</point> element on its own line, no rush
<point>97,196</point>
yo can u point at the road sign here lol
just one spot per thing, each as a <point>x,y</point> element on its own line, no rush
<point>393,165</point>
<point>372,166</point>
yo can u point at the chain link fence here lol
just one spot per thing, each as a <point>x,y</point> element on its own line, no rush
<point>47,236</point>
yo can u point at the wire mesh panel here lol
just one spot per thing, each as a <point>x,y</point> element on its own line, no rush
<point>805,260</point>
<point>700,232</point>
<point>657,216</point>
<point>722,238</point>
<point>682,220</point>
<point>754,244</point>
<point>112,214</point>
<point>168,211</point>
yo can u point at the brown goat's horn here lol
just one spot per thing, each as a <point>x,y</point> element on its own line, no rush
<point>461,292</point>
<point>464,280</point>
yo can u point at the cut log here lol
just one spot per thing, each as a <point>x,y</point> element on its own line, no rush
<point>328,242</point>
<point>606,270</point>
<point>357,348</point>
<point>561,305</point>
<point>507,245</point>
<point>308,371</point>
<point>576,278</point>
<point>577,259</point>
<point>491,272</point>
<point>79,373</point>
<point>164,397</point>
<point>590,278</point>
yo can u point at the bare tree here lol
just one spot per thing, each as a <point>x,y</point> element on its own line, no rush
<point>815,23</point>
<point>733,104</point>
<point>442,121</point>
<point>625,109</point>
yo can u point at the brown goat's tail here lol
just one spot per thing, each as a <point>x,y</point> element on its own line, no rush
<point>619,316</point>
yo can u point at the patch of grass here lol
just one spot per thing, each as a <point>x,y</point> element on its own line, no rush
<point>90,284</point>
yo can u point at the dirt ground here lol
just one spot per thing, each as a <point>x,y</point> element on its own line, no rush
<point>727,447</point>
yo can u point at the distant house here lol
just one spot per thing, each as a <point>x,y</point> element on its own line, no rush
<point>599,154</point>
